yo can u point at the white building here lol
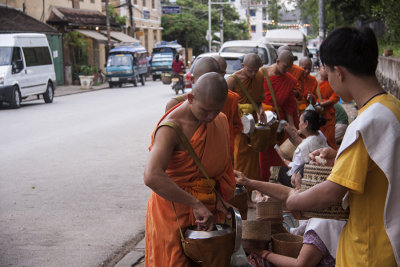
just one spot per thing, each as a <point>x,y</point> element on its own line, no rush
<point>255,12</point>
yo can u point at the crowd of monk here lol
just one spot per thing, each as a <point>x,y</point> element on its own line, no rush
<point>198,143</point>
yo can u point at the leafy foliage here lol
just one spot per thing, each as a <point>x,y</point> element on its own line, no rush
<point>120,20</point>
<point>190,27</point>
<point>350,12</point>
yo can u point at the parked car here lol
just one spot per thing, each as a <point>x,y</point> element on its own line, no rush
<point>266,51</point>
<point>26,68</point>
<point>187,78</point>
<point>233,64</point>
<point>126,64</point>
<point>314,56</point>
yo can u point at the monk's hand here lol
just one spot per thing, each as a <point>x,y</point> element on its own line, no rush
<point>204,218</point>
<point>310,97</point>
<point>240,178</point>
<point>222,206</point>
<point>323,156</point>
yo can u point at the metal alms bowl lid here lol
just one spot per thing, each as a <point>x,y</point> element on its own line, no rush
<point>240,189</point>
<point>271,116</point>
<point>220,230</point>
<point>248,124</point>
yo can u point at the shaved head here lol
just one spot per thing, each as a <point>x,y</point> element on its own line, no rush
<point>304,60</point>
<point>210,88</point>
<point>283,48</point>
<point>221,62</point>
<point>205,65</point>
<point>306,64</point>
<point>252,60</point>
<point>285,55</point>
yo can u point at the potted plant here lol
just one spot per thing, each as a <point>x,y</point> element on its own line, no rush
<point>86,76</point>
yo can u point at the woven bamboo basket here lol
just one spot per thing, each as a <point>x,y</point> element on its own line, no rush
<point>256,230</point>
<point>287,149</point>
<point>274,170</point>
<point>270,210</point>
<point>314,175</point>
<point>166,78</point>
<point>287,244</point>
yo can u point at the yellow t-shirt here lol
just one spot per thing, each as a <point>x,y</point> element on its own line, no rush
<point>363,241</point>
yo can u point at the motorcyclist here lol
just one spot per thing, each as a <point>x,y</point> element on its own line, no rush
<point>177,68</point>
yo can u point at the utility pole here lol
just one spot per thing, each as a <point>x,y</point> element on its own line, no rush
<point>209,34</point>
<point>321,14</point>
<point>108,28</point>
<point>131,18</point>
<point>221,24</point>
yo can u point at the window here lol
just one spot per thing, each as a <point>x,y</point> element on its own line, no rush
<point>146,14</point>
<point>16,55</point>
<point>92,1</point>
<point>144,3</point>
<point>153,4</point>
<point>252,12</point>
<point>134,2</point>
<point>253,28</point>
<point>35,56</point>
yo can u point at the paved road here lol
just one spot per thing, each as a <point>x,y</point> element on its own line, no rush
<point>71,188</point>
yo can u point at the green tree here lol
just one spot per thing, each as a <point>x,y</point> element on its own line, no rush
<point>120,20</point>
<point>348,12</point>
<point>191,25</point>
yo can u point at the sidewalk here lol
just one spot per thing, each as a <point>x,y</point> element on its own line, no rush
<point>63,90</point>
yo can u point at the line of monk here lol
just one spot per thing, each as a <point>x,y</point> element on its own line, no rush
<point>207,116</point>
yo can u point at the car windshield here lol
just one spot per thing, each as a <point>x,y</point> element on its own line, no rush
<point>119,60</point>
<point>5,56</point>
<point>262,52</point>
<point>296,48</point>
<point>233,65</point>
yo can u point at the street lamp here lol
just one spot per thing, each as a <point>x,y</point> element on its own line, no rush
<point>209,34</point>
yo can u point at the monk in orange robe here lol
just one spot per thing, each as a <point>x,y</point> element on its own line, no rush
<point>282,84</point>
<point>230,109</point>
<point>298,73</point>
<point>309,86</point>
<point>205,65</point>
<point>174,177</point>
<point>252,79</point>
<point>329,99</point>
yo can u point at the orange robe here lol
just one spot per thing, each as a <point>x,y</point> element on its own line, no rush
<point>283,87</point>
<point>298,74</point>
<point>245,158</point>
<point>328,129</point>
<point>309,86</point>
<point>162,240</point>
<point>231,112</point>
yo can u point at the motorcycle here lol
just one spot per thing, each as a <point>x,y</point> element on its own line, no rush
<point>177,83</point>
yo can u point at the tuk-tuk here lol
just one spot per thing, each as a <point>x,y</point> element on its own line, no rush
<point>126,64</point>
<point>162,57</point>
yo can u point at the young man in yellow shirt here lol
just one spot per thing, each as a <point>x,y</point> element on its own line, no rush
<point>366,165</point>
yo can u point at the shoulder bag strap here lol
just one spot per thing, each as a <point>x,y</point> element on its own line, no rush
<point>246,93</point>
<point>271,91</point>
<point>192,153</point>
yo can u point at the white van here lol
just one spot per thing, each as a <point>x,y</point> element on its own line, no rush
<point>266,51</point>
<point>26,68</point>
<point>295,39</point>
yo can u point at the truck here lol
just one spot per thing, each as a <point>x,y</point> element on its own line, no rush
<point>126,64</point>
<point>295,39</point>
<point>162,58</point>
